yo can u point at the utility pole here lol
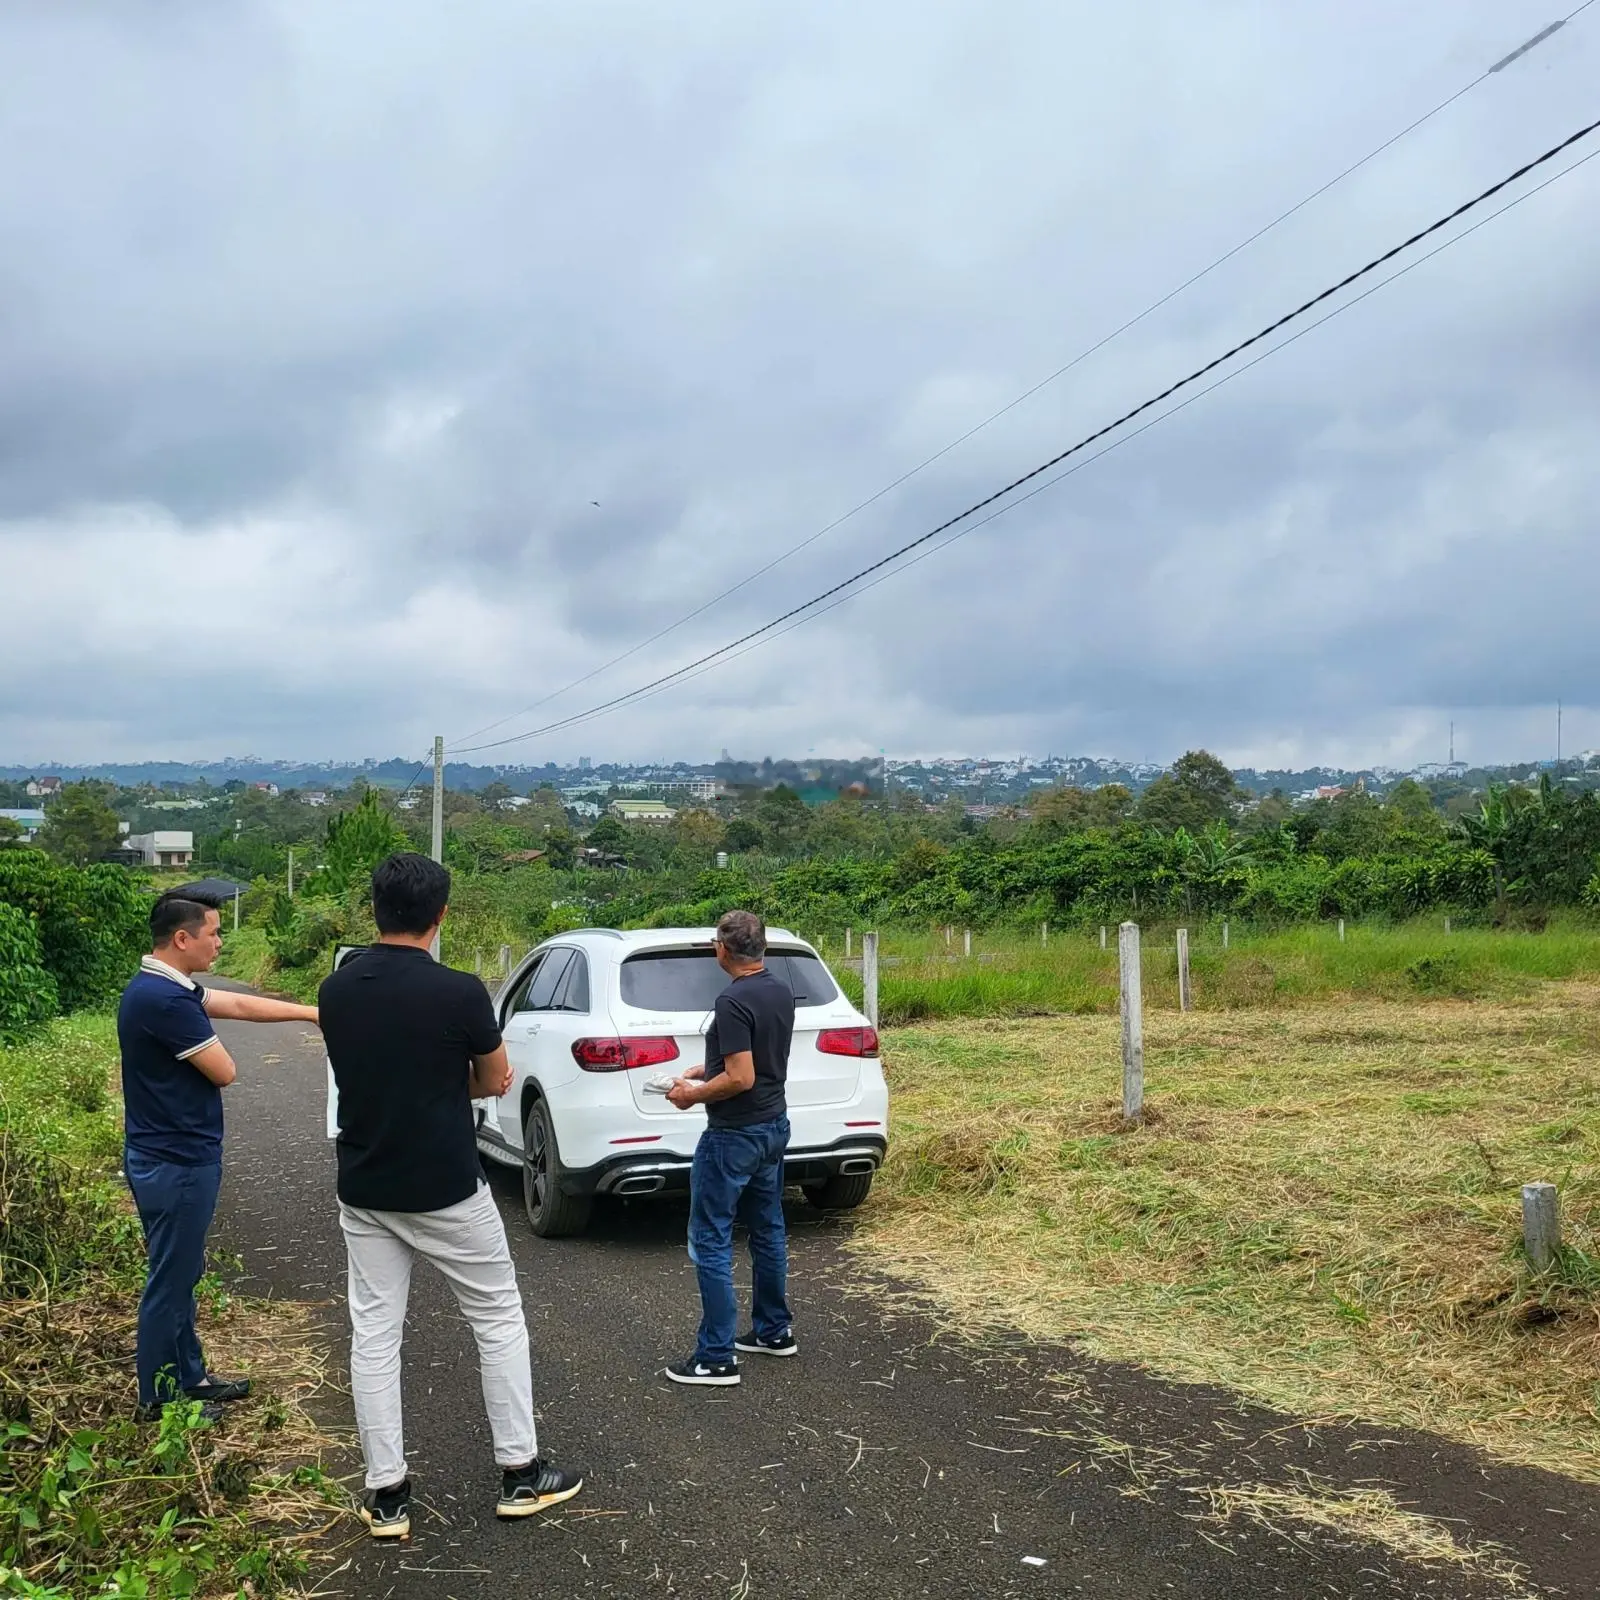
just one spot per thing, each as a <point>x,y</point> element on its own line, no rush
<point>1452,743</point>
<point>438,812</point>
<point>291,872</point>
<point>1558,733</point>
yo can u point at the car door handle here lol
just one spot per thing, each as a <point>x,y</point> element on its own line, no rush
<point>519,1026</point>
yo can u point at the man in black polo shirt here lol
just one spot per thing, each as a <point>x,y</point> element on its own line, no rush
<point>174,1069</point>
<point>412,1043</point>
<point>738,1162</point>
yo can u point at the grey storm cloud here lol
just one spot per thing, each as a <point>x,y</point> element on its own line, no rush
<point>378,369</point>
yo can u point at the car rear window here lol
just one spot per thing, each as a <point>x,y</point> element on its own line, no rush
<point>691,980</point>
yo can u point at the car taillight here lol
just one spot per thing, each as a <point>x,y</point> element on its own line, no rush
<point>848,1041</point>
<point>621,1055</point>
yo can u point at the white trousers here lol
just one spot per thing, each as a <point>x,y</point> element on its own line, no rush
<point>467,1243</point>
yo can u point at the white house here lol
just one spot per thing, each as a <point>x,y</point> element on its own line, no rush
<point>166,847</point>
<point>642,811</point>
<point>43,788</point>
<point>29,820</point>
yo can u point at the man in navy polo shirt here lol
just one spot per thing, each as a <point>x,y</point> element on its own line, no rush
<point>174,1069</point>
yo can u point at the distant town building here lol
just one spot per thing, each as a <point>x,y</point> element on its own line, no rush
<point>166,847</point>
<point>1330,791</point>
<point>29,820</point>
<point>584,764</point>
<point>642,811</point>
<point>43,788</point>
<point>694,788</point>
<point>317,797</point>
<point>265,787</point>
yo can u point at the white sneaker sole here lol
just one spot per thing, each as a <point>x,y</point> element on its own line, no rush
<point>710,1381</point>
<point>764,1350</point>
<point>510,1510</point>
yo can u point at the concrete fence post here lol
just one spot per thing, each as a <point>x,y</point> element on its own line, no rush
<point>1541,1224</point>
<point>1185,998</point>
<point>1132,1000</point>
<point>1341,930</point>
<point>1447,924</point>
<point>966,941</point>
<point>505,961</point>
<point>1044,935</point>
<point>1224,935</point>
<point>477,962</point>
<point>869,977</point>
<point>1102,936</point>
<point>847,944</point>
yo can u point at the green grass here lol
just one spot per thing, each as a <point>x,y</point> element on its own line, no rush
<point>470,936</point>
<point>1008,975</point>
<point>1321,1209</point>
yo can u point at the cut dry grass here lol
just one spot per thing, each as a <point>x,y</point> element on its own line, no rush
<point>1321,1210</point>
<point>1365,1516</point>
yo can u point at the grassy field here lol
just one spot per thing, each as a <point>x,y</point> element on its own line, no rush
<point>90,1501</point>
<point>1321,1210</point>
<point>922,979</point>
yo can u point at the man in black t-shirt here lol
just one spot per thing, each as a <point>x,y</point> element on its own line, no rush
<point>412,1044</point>
<point>738,1162</point>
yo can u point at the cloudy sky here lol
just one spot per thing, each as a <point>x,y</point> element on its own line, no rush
<point>378,369</point>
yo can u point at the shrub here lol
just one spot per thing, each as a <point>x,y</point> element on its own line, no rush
<point>1437,975</point>
<point>27,992</point>
<point>300,931</point>
<point>91,923</point>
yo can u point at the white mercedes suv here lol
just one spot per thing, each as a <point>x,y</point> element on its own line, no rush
<point>590,1018</point>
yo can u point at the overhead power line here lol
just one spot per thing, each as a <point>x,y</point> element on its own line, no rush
<point>990,500</point>
<point>1043,383</point>
<point>1115,444</point>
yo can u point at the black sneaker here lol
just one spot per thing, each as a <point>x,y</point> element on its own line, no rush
<point>209,1411</point>
<point>220,1390</point>
<point>525,1491</point>
<point>753,1344</point>
<point>388,1511</point>
<point>713,1372</point>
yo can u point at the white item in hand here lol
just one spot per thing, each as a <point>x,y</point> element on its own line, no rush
<point>660,1084</point>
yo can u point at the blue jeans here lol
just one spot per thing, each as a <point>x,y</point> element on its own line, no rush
<point>738,1175</point>
<point>175,1208</point>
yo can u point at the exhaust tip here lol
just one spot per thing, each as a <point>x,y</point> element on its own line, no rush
<point>644,1183</point>
<point>854,1166</point>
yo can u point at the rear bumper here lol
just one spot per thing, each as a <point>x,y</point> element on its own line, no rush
<point>645,1172</point>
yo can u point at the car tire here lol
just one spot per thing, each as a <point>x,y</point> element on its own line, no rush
<point>551,1214</point>
<point>841,1192</point>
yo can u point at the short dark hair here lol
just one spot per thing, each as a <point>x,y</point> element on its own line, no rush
<point>409,893</point>
<point>743,934</point>
<point>177,912</point>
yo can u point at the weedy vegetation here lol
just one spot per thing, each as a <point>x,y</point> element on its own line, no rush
<point>91,1502</point>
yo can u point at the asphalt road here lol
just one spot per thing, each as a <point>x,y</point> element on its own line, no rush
<point>891,1459</point>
